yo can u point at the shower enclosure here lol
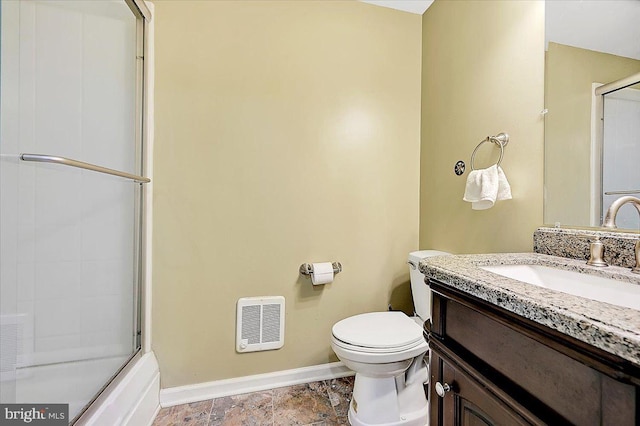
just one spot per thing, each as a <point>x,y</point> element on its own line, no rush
<point>621,152</point>
<point>615,171</point>
<point>71,188</point>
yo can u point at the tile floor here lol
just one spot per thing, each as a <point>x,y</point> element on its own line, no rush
<point>324,403</point>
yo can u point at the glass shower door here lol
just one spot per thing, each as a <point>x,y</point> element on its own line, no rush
<point>621,152</point>
<point>69,236</point>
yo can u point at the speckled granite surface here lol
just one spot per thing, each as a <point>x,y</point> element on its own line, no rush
<point>611,328</point>
<point>567,242</point>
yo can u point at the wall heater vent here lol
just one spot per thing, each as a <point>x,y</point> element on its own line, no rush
<point>260,323</point>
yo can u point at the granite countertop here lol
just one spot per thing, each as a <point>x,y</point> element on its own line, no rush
<point>612,328</point>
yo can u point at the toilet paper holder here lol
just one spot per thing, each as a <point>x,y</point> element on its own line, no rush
<point>307,268</point>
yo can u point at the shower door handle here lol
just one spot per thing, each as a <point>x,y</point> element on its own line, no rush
<point>43,158</point>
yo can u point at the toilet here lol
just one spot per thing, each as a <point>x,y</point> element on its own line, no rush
<point>387,351</point>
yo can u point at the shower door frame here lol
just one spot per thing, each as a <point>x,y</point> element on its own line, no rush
<point>597,144</point>
<point>96,404</point>
<point>141,230</point>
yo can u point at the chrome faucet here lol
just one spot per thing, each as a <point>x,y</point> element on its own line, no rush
<point>610,222</point>
<point>596,251</point>
<point>612,212</point>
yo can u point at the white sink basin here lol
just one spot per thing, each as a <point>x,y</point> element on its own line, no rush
<point>584,285</point>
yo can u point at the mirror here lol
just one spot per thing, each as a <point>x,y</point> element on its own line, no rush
<point>592,142</point>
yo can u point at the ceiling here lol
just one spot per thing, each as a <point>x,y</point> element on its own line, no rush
<point>412,6</point>
<point>603,26</point>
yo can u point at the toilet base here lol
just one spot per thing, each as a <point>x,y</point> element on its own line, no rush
<point>377,402</point>
<point>413,419</point>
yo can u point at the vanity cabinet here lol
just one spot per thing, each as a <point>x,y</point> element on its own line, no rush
<point>465,399</point>
<point>494,367</point>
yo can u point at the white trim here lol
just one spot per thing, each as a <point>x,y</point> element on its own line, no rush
<point>239,385</point>
<point>135,400</point>
<point>148,199</point>
<point>595,207</point>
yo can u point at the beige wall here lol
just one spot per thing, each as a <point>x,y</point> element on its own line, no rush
<point>570,74</point>
<point>286,132</point>
<point>483,73</point>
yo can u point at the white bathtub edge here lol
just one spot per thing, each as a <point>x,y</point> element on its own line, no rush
<point>239,385</point>
<point>148,405</point>
<point>155,413</point>
<point>134,401</point>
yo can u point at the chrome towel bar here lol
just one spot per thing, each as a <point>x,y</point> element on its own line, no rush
<point>628,192</point>
<point>501,139</point>
<point>43,158</point>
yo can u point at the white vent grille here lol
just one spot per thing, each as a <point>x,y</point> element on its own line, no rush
<point>260,323</point>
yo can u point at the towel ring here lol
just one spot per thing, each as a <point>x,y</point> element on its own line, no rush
<point>501,139</point>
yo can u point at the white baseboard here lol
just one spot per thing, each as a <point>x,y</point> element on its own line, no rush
<point>219,388</point>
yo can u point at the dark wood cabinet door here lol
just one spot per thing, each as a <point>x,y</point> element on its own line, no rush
<point>504,369</point>
<point>468,402</point>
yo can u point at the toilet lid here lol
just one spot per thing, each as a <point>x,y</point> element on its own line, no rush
<point>378,330</point>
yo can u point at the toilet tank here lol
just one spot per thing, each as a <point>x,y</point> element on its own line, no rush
<point>420,291</point>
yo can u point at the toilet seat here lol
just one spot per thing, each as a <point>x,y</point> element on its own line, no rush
<point>378,337</point>
<point>379,331</point>
<point>357,348</point>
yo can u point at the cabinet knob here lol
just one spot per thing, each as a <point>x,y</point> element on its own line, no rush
<point>441,389</point>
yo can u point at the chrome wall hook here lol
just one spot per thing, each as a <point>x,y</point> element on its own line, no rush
<point>501,139</point>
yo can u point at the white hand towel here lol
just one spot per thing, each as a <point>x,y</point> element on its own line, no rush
<point>504,189</point>
<point>485,187</point>
<point>482,188</point>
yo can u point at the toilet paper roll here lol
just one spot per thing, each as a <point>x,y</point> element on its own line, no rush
<point>322,273</point>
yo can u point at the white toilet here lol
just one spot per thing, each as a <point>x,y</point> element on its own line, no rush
<point>387,351</point>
